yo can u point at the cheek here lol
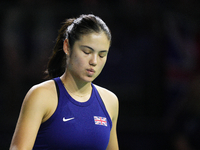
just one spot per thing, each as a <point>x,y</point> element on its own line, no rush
<point>77,62</point>
<point>104,61</point>
<point>102,64</point>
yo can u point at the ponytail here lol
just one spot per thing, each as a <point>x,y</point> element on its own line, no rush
<point>57,62</point>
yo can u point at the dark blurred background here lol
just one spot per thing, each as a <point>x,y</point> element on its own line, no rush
<point>153,65</point>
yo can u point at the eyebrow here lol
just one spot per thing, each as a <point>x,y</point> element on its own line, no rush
<point>92,48</point>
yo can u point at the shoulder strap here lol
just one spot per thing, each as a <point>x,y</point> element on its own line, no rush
<point>57,87</point>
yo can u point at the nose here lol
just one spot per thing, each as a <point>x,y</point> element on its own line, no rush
<point>93,60</point>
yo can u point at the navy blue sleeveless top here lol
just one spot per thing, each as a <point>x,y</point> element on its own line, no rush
<point>75,125</point>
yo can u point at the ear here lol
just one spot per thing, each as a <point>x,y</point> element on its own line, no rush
<point>66,48</point>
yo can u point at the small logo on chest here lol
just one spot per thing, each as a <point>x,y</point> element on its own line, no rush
<point>100,120</point>
<point>68,119</point>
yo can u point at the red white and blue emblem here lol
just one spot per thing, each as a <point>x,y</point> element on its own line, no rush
<point>100,120</point>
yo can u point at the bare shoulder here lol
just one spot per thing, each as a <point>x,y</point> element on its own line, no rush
<point>110,100</point>
<point>106,93</point>
<point>42,97</point>
<point>44,89</point>
<point>46,85</point>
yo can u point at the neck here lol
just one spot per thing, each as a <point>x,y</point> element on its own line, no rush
<point>76,88</point>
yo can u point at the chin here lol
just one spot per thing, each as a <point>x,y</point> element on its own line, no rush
<point>89,79</point>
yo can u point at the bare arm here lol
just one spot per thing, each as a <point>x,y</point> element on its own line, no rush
<point>113,142</point>
<point>33,112</point>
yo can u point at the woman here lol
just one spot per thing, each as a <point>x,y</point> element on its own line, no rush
<point>68,111</point>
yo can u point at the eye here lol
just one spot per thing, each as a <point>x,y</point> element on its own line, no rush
<point>86,52</point>
<point>102,54</point>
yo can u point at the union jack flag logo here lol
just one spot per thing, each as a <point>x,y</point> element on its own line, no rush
<point>100,120</point>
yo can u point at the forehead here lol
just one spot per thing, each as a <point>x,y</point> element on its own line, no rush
<point>98,41</point>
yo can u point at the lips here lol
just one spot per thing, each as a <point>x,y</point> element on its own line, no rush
<point>90,72</point>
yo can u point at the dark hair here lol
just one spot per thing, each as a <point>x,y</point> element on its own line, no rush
<point>72,29</point>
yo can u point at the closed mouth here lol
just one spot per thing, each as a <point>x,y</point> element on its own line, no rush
<point>91,70</point>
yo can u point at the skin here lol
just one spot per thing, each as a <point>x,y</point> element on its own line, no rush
<point>85,62</point>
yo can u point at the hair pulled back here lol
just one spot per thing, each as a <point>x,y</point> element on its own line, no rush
<point>72,29</point>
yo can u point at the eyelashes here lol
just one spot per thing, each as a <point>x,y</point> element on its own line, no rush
<point>101,54</point>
